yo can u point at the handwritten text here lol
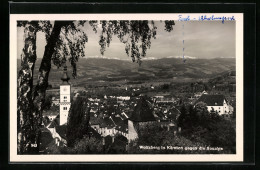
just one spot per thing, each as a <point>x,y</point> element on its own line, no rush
<point>207,18</point>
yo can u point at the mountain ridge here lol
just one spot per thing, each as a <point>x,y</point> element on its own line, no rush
<point>112,70</point>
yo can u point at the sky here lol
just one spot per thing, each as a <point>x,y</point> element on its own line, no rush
<point>202,39</point>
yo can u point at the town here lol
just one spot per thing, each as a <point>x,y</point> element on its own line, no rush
<point>110,116</point>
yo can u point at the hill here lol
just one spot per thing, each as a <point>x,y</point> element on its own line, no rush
<point>94,70</point>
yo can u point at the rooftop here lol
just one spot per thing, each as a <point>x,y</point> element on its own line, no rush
<point>212,100</point>
<point>106,122</point>
<point>142,112</point>
<point>65,78</point>
<point>61,130</point>
<point>55,122</point>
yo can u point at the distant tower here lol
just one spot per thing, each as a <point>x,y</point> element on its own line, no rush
<point>65,89</point>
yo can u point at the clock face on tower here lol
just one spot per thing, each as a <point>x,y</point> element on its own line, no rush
<point>65,89</point>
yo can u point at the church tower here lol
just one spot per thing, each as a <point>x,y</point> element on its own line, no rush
<point>65,90</point>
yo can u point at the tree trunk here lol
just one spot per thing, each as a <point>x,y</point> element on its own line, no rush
<point>24,90</point>
<point>42,84</point>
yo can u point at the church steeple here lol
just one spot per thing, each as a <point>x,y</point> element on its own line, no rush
<point>65,90</point>
<point>65,78</point>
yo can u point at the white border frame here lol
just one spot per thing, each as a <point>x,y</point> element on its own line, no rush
<point>238,157</point>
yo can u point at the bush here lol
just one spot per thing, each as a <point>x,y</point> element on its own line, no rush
<point>87,145</point>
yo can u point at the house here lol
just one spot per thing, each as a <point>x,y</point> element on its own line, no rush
<point>58,132</point>
<point>109,126</point>
<point>96,100</point>
<point>124,115</point>
<point>141,116</point>
<point>55,102</point>
<point>217,103</point>
<point>159,97</point>
<point>167,117</point>
<point>93,110</point>
<point>173,114</point>
<point>95,122</point>
<point>106,127</point>
<point>199,94</point>
<point>45,121</point>
<point>61,139</point>
<point>123,98</point>
<point>54,123</point>
<point>165,100</point>
<point>93,133</point>
<point>121,126</point>
<point>50,114</point>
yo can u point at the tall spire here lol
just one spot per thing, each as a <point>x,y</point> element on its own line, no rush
<point>65,78</point>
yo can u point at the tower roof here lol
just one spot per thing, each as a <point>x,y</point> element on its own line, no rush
<point>142,112</point>
<point>65,78</point>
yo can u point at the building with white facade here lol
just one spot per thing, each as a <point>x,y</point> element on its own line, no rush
<point>65,103</point>
<point>217,103</point>
<point>123,98</point>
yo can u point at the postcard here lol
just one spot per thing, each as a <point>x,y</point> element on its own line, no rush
<point>126,87</point>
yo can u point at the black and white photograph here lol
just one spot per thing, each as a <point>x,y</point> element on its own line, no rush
<point>126,87</point>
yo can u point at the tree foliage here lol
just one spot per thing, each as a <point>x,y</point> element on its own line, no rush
<point>70,45</point>
<point>118,146</point>
<point>48,102</point>
<point>87,145</point>
<point>153,135</point>
<point>136,35</point>
<point>208,128</point>
<point>78,120</point>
